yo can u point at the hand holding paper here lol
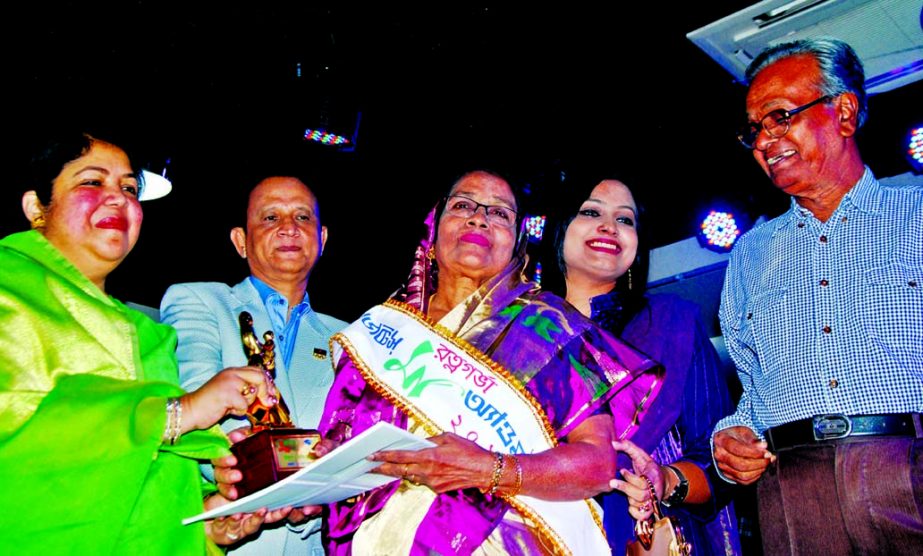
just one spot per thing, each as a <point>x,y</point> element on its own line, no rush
<point>342,473</point>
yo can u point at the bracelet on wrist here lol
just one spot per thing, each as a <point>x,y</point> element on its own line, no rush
<point>496,475</point>
<point>174,427</point>
<point>517,486</point>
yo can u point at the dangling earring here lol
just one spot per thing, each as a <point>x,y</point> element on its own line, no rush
<point>38,222</point>
<point>629,279</point>
<point>431,252</point>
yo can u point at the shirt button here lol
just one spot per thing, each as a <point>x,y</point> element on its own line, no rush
<point>824,282</point>
<point>833,383</point>
<point>912,283</point>
<point>823,239</point>
<point>801,224</point>
<point>843,220</point>
<point>827,330</point>
<point>749,316</point>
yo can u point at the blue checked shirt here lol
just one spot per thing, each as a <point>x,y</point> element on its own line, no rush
<point>827,317</point>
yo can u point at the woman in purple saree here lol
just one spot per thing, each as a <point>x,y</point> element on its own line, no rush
<point>521,394</point>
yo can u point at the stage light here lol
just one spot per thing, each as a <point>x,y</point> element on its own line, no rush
<point>325,137</point>
<point>328,108</point>
<point>322,134</point>
<point>535,225</point>
<point>914,144</point>
<point>718,231</point>
<point>155,185</point>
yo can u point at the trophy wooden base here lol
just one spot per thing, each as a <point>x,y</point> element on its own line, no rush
<point>271,455</point>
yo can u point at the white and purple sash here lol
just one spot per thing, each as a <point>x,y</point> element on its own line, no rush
<point>447,385</point>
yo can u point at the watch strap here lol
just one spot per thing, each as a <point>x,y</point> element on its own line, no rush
<point>680,491</point>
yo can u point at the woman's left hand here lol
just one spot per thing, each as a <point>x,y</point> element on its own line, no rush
<point>234,528</point>
<point>634,485</point>
<point>454,463</point>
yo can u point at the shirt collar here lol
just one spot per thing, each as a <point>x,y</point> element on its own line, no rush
<point>865,195</point>
<point>268,294</point>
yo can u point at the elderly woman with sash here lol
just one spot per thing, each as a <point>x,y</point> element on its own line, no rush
<point>520,393</point>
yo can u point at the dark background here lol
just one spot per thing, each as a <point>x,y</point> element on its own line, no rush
<point>214,89</point>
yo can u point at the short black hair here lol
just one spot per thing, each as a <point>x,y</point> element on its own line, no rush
<point>53,152</point>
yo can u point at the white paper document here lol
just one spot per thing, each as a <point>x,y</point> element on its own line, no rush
<point>342,473</point>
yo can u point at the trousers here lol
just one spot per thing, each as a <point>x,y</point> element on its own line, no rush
<point>848,498</point>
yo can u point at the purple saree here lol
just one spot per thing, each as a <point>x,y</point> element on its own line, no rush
<point>567,364</point>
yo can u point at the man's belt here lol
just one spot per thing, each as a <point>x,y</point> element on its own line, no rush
<point>833,428</point>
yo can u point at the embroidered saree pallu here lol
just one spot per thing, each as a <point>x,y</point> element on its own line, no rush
<point>445,384</point>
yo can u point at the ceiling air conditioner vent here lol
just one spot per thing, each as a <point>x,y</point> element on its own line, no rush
<point>782,12</point>
<point>886,34</point>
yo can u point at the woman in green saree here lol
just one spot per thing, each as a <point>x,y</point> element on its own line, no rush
<point>98,444</point>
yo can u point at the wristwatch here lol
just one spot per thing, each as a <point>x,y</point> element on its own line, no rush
<point>679,492</point>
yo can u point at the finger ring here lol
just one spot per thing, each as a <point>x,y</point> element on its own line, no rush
<point>404,471</point>
<point>233,536</point>
<point>644,507</point>
<point>413,479</point>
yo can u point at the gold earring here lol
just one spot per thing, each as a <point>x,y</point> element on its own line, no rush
<point>38,222</point>
<point>431,252</point>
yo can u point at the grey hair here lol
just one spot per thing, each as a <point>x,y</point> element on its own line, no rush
<point>840,68</point>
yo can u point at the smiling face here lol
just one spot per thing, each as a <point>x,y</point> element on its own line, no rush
<point>472,247</point>
<point>602,240</point>
<point>284,237</point>
<point>94,216</point>
<point>810,156</point>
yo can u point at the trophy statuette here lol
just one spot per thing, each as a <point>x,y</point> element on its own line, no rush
<point>276,448</point>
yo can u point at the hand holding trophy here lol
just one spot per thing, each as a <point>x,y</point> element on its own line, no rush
<point>276,448</point>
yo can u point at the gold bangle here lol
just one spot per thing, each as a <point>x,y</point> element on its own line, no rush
<point>517,486</point>
<point>495,476</point>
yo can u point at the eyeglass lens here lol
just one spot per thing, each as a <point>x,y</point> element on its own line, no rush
<point>776,124</point>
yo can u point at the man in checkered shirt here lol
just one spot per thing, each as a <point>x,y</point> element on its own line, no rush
<point>822,312</point>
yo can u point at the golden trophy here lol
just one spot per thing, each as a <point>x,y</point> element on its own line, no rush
<point>276,448</point>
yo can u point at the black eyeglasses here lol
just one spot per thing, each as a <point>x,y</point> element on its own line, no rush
<point>463,207</point>
<point>776,123</point>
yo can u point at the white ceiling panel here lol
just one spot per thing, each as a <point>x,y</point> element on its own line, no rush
<point>886,34</point>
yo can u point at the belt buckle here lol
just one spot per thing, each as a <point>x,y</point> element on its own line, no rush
<point>831,426</point>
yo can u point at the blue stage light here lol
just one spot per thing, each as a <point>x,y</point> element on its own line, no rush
<point>535,225</point>
<point>718,231</point>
